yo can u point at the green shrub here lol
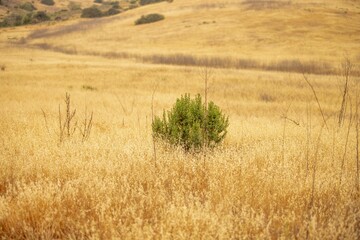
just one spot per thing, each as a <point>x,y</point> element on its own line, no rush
<point>98,1</point>
<point>40,16</point>
<point>27,19</point>
<point>91,12</point>
<point>48,2</point>
<point>150,18</point>
<point>114,4</point>
<point>28,7</point>
<point>12,20</point>
<point>132,6</point>
<point>145,2</point>
<point>112,11</point>
<point>73,6</point>
<point>190,125</point>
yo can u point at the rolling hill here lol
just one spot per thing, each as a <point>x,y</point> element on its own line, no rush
<point>273,35</point>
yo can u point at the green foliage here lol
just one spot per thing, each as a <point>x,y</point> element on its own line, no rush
<point>27,7</point>
<point>23,19</point>
<point>150,18</point>
<point>40,16</point>
<point>73,6</point>
<point>191,125</point>
<point>12,20</point>
<point>48,2</point>
<point>145,2</point>
<point>27,19</point>
<point>91,12</point>
<point>98,1</point>
<point>115,4</point>
<point>112,11</point>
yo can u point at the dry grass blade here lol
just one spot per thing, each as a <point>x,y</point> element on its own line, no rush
<point>61,126</point>
<point>87,126</point>
<point>346,145</point>
<point>284,134</point>
<point>308,136</point>
<point>206,75</point>
<point>312,196</point>
<point>347,67</point>
<point>68,125</point>
<point>357,152</point>
<point>69,116</point>
<point>45,120</point>
<point>291,120</point>
<point>152,123</point>
<point>357,122</point>
<point>317,100</point>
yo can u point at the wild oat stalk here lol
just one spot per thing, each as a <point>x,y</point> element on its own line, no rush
<point>284,134</point>
<point>85,130</point>
<point>152,123</point>
<point>308,136</point>
<point>357,120</point>
<point>312,196</point>
<point>317,100</point>
<point>346,144</point>
<point>206,75</point>
<point>346,68</point>
<point>46,122</point>
<point>67,127</point>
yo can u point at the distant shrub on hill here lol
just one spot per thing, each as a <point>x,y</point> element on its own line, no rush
<point>12,20</point>
<point>98,1</point>
<point>73,6</point>
<point>28,7</point>
<point>112,11</point>
<point>91,12</point>
<point>133,5</point>
<point>94,12</point>
<point>48,2</point>
<point>40,16</point>
<point>145,2</point>
<point>115,4</point>
<point>150,18</point>
<point>27,19</point>
<point>24,19</point>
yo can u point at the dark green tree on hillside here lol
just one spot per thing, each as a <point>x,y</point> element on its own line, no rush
<point>91,12</point>
<point>145,2</point>
<point>48,2</point>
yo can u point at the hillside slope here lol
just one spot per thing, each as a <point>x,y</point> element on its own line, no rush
<point>13,6</point>
<point>273,35</point>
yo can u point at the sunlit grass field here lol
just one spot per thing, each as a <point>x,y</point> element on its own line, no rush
<point>286,170</point>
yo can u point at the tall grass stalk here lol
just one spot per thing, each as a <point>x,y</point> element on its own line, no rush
<point>312,195</point>
<point>308,136</point>
<point>317,100</point>
<point>346,144</point>
<point>357,120</point>
<point>152,123</point>
<point>346,69</point>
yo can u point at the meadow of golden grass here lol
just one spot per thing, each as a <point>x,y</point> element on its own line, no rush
<point>272,178</point>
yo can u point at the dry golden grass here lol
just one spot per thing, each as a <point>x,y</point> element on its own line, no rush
<point>270,179</point>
